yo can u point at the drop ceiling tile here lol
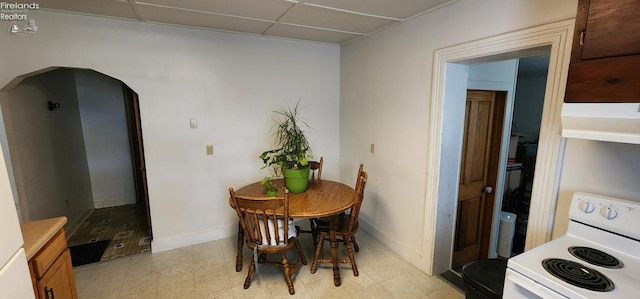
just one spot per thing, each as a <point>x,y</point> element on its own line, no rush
<point>204,20</point>
<point>333,19</point>
<point>111,8</point>
<point>400,9</point>
<point>258,9</point>
<point>310,34</point>
<point>352,18</point>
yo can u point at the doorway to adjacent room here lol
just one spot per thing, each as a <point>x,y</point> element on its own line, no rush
<point>76,149</point>
<point>447,111</point>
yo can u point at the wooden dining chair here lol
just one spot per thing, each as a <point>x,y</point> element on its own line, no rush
<point>316,166</point>
<point>268,229</point>
<point>344,226</point>
<point>323,221</point>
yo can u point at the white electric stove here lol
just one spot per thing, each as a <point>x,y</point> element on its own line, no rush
<point>598,257</point>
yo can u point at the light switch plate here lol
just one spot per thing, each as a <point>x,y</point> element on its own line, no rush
<point>193,123</point>
<point>209,149</point>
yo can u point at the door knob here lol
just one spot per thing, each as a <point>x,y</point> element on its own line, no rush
<point>487,189</point>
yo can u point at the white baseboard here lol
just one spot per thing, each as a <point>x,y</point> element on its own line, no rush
<point>113,202</point>
<point>408,254</point>
<point>175,242</point>
<point>221,232</point>
<point>99,204</point>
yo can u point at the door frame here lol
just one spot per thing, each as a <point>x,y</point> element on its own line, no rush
<point>134,124</point>
<point>449,69</point>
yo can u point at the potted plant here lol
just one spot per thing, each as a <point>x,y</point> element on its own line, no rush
<point>292,150</point>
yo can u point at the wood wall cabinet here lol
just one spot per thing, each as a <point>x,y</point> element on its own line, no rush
<point>51,270</point>
<point>605,56</point>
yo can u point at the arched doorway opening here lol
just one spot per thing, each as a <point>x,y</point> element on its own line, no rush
<point>75,148</point>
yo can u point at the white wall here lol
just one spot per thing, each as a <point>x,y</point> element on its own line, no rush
<point>106,139</point>
<point>605,168</point>
<point>230,82</point>
<point>385,92</point>
<point>499,75</point>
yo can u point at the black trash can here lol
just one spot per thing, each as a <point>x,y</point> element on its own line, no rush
<point>484,279</point>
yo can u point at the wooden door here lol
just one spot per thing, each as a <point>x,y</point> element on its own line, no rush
<point>478,174</point>
<point>135,135</point>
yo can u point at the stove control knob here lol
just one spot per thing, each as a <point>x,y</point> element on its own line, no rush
<point>608,212</point>
<point>586,207</point>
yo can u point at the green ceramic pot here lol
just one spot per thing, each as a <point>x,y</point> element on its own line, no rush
<point>296,180</point>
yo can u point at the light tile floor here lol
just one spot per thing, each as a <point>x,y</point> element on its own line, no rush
<point>208,271</point>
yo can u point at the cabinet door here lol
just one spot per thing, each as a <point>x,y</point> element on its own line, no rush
<point>605,55</point>
<point>615,79</point>
<point>58,281</point>
<point>611,28</point>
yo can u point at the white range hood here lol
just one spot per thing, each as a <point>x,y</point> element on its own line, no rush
<point>613,122</point>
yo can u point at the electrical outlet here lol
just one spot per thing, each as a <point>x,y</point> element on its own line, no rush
<point>193,123</point>
<point>209,149</point>
<point>373,148</point>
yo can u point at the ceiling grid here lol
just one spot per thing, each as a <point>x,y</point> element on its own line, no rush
<point>324,21</point>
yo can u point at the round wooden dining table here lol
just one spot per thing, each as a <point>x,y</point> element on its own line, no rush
<point>323,198</point>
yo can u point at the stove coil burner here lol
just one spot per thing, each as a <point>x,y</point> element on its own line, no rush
<point>595,257</point>
<point>578,275</point>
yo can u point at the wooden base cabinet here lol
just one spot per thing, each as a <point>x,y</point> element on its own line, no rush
<point>52,272</point>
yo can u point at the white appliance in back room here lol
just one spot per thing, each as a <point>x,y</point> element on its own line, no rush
<point>15,280</point>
